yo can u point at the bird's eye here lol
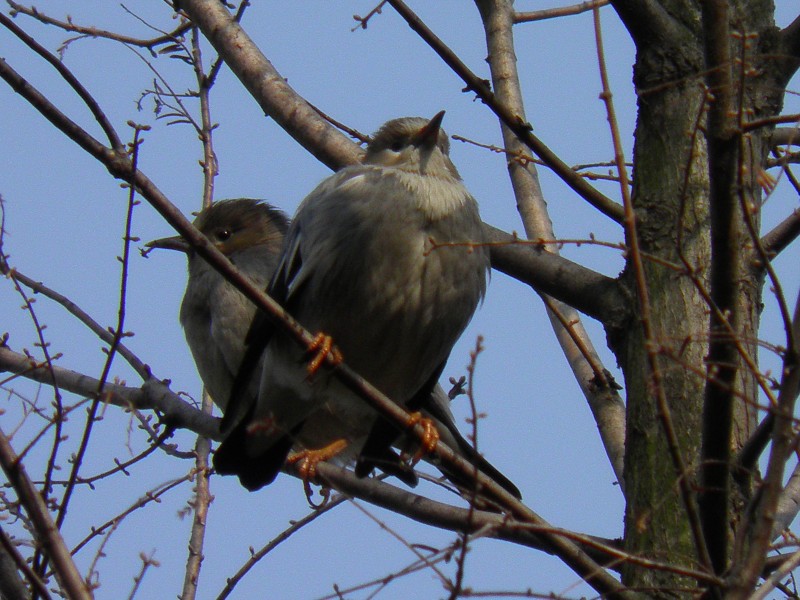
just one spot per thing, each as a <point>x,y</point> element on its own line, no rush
<point>397,146</point>
<point>223,234</point>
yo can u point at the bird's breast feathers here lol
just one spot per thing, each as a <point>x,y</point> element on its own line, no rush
<point>435,196</point>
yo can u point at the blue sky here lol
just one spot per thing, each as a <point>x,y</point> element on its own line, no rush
<point>64,218</point>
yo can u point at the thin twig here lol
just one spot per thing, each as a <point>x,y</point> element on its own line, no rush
<point>200,505</point>
<point>70,78</point>
<point>95,32</point>
<point>363,21</point>
<point>150,496</point>
<point>123,466</point>
<point>101,332</point>
<point>272,544</point>
<point>147,562</point>
<point>118,334</point>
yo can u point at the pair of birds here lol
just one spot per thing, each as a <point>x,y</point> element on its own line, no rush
<point>386,258</point>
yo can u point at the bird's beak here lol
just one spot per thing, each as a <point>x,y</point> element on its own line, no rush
<point>429,134</point>
<point>170,243</point>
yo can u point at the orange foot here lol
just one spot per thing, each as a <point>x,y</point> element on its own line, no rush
<point>429,439</point>
<point>322,347</point>
<point>309,459</point>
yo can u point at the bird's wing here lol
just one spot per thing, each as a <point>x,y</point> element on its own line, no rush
<point>241,403</point>
<point>261,331</point>
<point>234,456</point>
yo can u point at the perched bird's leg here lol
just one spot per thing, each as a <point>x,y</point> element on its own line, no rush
<point>429,439</point>
<point>309,459</point>
<point>321,347</point>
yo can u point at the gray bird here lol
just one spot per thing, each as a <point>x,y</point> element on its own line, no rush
<point>214,314</point>
<point>388,259</point>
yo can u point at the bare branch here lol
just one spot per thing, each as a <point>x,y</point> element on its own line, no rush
<point>788,504</point>
<point>603,399</point>
<point>118,334</point>
<point>200,505</point>
<point>760,529</point>
<point>275,542</point>
<point>153,395</point>
<point>553,13</point>
<point>512,119</point>
<point>101,332</point>
<point>790,43</point>
<point>648,22</point>
<point>47,534</point>
<point>774,580</point>
<point>67,75</point>
<point>785,136</point>
<point>783,234</point>
<point>724,156</point>
<point>11,584</point>
<point>268,87</point>
<point>95,32</point>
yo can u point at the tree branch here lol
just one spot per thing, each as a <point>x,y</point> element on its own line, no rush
<point>593,294</point>
<point>153,395</point>
<point>723,160</point>
<point>602,396</point>
<point>510,118</point>
<point>95,32</point>
<point>783,234</point>
<point>553,13</point>
<point>67,75</point>
<point>788,504</point>
<point>790,45</point>
<point>278,100</point>
<point>47,534</point>
<point>11,563</point>
<point>759,530</point>
<point>648,22</point>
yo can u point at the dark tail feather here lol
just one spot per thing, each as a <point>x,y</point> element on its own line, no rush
<point>377,449</point>
<point>437,406</point>
<point>377,453</point>
<point>467,483</point>
<point>254,472</point>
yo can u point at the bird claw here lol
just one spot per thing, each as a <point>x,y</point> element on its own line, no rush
<point>322,347</point>
<point>309,459</point>
<point>429,439</point>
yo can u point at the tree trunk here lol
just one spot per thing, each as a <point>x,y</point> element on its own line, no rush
<point>670,377</point>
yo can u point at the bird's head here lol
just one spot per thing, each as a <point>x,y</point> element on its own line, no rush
<point>234,225</point>
<point>413,144</point>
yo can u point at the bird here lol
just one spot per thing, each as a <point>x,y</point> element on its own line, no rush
<point>215,316</point>
<point>388,259</point>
